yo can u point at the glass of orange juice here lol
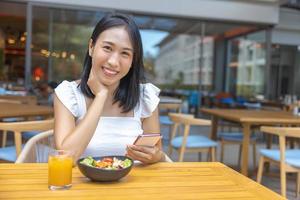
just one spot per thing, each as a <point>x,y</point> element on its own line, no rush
<point>60,164</point>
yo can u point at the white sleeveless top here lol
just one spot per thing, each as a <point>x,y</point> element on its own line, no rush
<point>112,133</point>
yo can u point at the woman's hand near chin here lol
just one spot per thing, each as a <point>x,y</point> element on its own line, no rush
<point>95,85</point>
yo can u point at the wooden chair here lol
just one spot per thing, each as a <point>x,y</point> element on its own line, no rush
<point>4,133</point>
<point>236,138</point>
<point>37,149</point>
<point>164,109</point>
<point>28,100</point>
<point>12,152</point>
<point>170,106</point>
<point>288,160</point>
<point>190,143</point>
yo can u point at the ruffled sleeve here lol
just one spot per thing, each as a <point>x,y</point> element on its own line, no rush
<point>149,99</point>
<point>67,95</point>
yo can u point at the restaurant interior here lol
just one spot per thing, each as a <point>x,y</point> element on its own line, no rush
<point>229,99</point>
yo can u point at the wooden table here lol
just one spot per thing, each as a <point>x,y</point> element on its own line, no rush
<point>28,99</point>
<point>23,110</point>
<point>159,181</point>
<point>249,118</point>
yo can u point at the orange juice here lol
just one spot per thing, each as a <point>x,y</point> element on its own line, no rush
<point>59,171</point>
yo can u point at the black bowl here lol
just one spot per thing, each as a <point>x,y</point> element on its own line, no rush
<point>98,174</point>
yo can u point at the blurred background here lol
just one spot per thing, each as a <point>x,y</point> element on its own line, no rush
<point>194,50</point>
<point>200,53</point>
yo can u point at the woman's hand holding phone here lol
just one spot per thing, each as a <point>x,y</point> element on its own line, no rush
<point>149,140</point>
<point>145,154</point>
<point>145,149</point>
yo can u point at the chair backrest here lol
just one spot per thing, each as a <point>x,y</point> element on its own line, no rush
<point>289,162</point>
<point>187,120</point>
<point>283,133</point>
<point>40,125</point>
<point>37,148</point>
<point>167,107</point>
<point>19,127</point>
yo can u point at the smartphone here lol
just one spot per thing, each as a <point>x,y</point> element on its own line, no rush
<point>149,139</point>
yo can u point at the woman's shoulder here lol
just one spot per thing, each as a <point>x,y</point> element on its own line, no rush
<point>149,88</point>
<point>149,99</point>
<point>68,86</point>
<point>66,83</point>
<point>70,95</point>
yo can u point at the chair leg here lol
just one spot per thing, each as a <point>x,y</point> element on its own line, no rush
<point>283,182</point>
<point>4,138</point>
<point>213,154</point>
<point>199,156</point>
<point>170,134</point>
<point>254,155</point>
<point>222,151</point>
<point>240,155</point>
<point>170,150</point>
<point>260,169</point>
<point>170,146</point>
<point>180,157</point>
<point>208,155</point>
<point>181,154</point>
<point>298,185</point>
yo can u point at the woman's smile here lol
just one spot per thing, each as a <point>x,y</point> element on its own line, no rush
<point>109,72</point>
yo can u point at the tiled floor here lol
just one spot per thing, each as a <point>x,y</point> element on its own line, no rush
<point>231,160</point>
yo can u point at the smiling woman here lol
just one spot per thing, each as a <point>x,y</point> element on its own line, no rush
<point>112,53</point>
<point>102,113</point>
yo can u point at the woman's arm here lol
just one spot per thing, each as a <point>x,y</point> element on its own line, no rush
<point>72,137</point>
<point>148,154</point>
<point>75,138</point>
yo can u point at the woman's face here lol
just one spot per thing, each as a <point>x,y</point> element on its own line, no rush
<point>111,56</point>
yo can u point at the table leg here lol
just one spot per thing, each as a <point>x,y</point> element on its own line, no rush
<point>214,127</point>
<point>245,149</point>
<point>18,142</point>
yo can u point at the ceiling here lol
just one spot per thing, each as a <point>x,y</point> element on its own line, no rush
<point>13,18</point>
<point>13,15</point>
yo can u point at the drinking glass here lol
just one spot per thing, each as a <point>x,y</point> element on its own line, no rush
<point>60,164</point>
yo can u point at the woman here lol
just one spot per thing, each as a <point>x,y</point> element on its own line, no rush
<point>103,112</point>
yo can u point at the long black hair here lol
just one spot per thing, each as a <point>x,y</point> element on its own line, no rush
<point>128,91</point>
